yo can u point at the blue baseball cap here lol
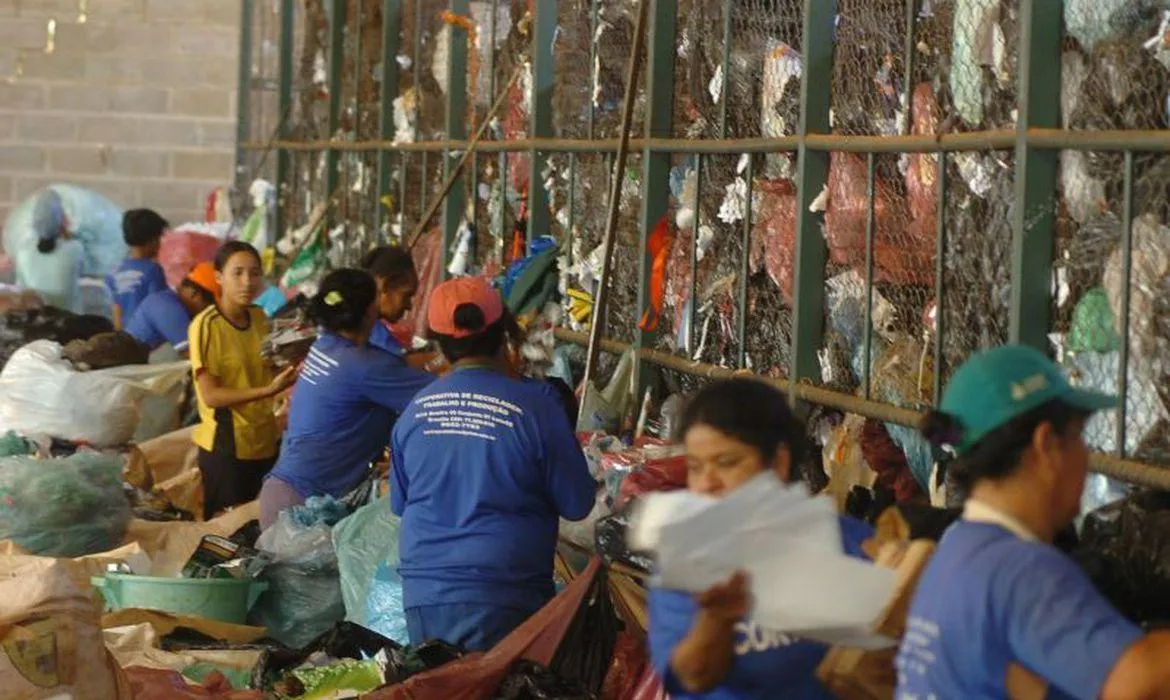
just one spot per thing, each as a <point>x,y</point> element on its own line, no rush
<point>994,387</point>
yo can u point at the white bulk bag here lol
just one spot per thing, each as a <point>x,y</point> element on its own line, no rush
<point>42,394</point>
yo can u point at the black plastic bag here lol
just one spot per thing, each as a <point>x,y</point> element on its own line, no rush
<point>19,328</point>
<point>346,640</point>
<point>586,652</point>
<point>411,661</point>
<point>1125,550</point>
<point>528,680</point>
<point>610,541</point>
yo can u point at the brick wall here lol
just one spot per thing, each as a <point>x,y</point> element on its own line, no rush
<point>135,100</point>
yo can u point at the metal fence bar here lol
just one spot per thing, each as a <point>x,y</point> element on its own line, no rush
<point>725,70</point>
<point>336,59</point>
<point>745,264</point>
<point>812,173</point>
<point>940,277</point>
<point>391,29</point>
<point>283,157</point>
<point>1035,176</point>
<point>1126,272</point>
<point>693,321</point>
<point>455,203</point>
<point>244,95</point>
<point>544,29</point>
<point>867,348</point>
<point>908,50</point>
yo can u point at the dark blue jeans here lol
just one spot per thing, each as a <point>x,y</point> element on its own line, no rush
<point>471,626</point>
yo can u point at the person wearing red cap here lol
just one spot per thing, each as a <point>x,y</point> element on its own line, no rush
<point>164,316</point>
<point>484,464</point>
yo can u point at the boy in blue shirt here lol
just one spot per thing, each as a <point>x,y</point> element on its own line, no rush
<point>484,464</point>
<point>163,317</point>
<point>139,275</point>
<point>393,271</point>
<point>999,609</point>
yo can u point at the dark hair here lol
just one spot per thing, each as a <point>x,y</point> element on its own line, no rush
<point>47,245</point>
<point>390,263</point>
<point>204,294</point>
<point>343,300</point>
<point>142,227</point>
<point>751,411</point>
<point>998,453</point>
<point>485,341</point>
<point>227,250</point>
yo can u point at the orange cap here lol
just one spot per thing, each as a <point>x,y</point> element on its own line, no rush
<point>203,276</point>
<point>452,294</point>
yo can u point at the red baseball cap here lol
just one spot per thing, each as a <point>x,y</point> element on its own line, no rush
<point>450,295</point>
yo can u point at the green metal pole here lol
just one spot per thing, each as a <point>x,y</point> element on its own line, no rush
<point>283,162</point>
<point>1126,272</point>
<point>812,171</point>
<point>336,59</point>
<point>1035,176</point>
<point>940,279</point>
<point>867,348</point>
<point>244,98</point>
<point>660,49</point>
<point>455,205</point>
<point>391,29</point>
<point>741,306</point>
<point>541,118</point>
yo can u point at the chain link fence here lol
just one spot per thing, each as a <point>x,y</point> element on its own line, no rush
<point>932,231</point>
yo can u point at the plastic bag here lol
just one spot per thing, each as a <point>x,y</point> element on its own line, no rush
<point>304,598</point>
<point>365,541</point>
<point>106,350</point>
<point>344,640</point>
<point>384,610</point>
<point>527,680</point>
<point>668,473</point>
<point>181,250</point>
<point>41,393</point>
<point>613,546</point>
<point>94,222</point>
<point>1124,551</point>
<point>63,507</point>
<point>774,232</point>
<point>19,328</point>
<point>603,410</point>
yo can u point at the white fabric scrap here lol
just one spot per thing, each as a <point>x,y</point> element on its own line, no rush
<point>734,202</point>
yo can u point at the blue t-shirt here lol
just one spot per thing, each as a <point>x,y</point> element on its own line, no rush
<point>160,318</point>
<point>989,599</point>
<point>767,664</point>
<point>383,339</point>
<point>133,281</point>
<point>483,468</point>
<point>343,407</point>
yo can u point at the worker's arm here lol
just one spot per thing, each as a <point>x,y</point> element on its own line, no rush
<point>216,396</point>
<point>1142,672</point>
<point>117,317</point>
<point>567,474</point>
<point>703,659</point>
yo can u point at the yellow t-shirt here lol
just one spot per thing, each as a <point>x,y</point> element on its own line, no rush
<point>232,355</point>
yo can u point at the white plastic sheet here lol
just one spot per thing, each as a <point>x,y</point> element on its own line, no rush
<point>789,544</point>
<point>41,394</point>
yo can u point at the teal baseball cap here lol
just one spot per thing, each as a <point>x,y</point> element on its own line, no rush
<point>994,387</point>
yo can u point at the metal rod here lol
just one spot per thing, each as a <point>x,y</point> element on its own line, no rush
<point>572,204</point>
<point>287,37</point>
<point>594,17</point>
<point>455,172</point>
<point>867,348</point>
<point>336,58</point>
<point>909,48</point>
<point>694,319</point>
<point>745,264</point>
<point>940,268</point>
<point>1124,470</point>
<point>244,94</point>
<point>615,192</point>
<point>1126,272</point>
<point>391,28</point>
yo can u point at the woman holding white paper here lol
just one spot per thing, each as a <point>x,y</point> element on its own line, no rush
<point>705,646</point>
<point>997,596</point>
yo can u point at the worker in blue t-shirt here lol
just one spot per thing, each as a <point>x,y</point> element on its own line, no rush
<point>393,270</point>
<point>163,317</point>
<point>139,275</point>
<point>706,646</point>
<point>999,609</point>
<point>484,464</point>
<point>346,400</point>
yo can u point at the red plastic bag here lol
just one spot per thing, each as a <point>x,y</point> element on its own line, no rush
<point>902,255</point>
<point>649,687</point>
<point>888,461</point>
<point>629,662</point>
<point>477,676</point>
<point>922,175</point>
<point>428,261</point>
<point>774,232</point>
<point>163,684</point>
<point>678,275</point>
<point>182,250</point>
<point>659,474</point>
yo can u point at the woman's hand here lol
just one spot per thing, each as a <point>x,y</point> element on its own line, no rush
<point>727,602</point>
<point>282,381</point>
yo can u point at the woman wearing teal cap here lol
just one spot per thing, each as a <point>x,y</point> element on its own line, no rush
<point>997,595</point>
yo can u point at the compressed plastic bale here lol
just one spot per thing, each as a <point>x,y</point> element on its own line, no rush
<point>975,24</point>
<point>67,507</point>
<point>774,232</point>
<point>1149,265</point>
<point>1093,328</point>
<point>364,541</point>
<point>1093,21</point>
<point>922,173</point>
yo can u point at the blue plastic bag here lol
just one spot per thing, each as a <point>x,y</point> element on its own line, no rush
<point>384,613</point>
<point>365,541</point>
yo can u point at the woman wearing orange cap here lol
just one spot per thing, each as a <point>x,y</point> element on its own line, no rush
<point>163,317</point>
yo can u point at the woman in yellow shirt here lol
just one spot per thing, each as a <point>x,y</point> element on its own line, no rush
<point>238,434</point>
